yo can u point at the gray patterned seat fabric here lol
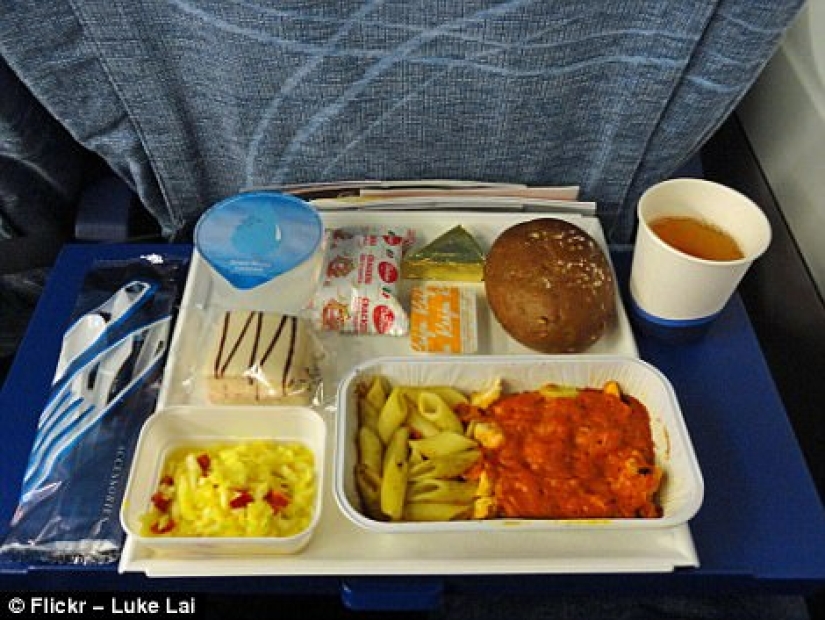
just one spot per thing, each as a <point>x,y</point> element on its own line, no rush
<point>190,101</point>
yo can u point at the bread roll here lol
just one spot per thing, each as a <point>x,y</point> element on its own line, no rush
<point>550,286</point>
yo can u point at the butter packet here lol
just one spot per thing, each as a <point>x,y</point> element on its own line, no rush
<point>443,319</point>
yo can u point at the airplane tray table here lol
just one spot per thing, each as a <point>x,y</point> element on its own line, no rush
<point>761,525</point>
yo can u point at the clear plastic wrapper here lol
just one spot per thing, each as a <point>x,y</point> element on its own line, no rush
<point>259,358</point>
<point>105,385</point>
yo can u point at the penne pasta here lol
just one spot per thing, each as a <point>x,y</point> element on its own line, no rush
<point>377,392</point>
<point>395,474</point>
<point>371,398</point>
<point>449,395</point>
<point>370,450</point>
<point>552,390</point>
<point>436,512</point>
<point>449,466</point>
<point>421,426</point>
<point>416,458</point>
<point>443,444</point>
<point>433,408</point>
<point>368,483</point>
<point>442,492</point>
<point>392,415</point>
<point>368,415</point>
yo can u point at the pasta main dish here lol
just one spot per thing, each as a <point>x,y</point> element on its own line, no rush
<point>557,452</point>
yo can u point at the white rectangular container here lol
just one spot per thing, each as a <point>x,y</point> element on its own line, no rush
<point>682,489</point>
<point>174,427</point>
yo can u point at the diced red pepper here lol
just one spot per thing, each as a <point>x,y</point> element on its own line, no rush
<point>161,502</point>
<point>168,481</point>
<point>168,526</point>
<point>204,461</point>
<point>276,500</point>
<point>241,499</point>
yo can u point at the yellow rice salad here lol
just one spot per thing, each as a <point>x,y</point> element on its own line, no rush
<point>254,488</point>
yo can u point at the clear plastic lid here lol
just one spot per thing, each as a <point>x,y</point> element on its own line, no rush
<point>252,238</point>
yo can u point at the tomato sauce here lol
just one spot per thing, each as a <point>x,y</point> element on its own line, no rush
<point>586,456</point>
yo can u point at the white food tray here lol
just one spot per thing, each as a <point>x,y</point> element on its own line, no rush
<point>341,548</point>
<point>183,382</point>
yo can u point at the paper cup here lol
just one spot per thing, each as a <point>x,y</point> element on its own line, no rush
<point>264,250</point>
<point>673,291</point>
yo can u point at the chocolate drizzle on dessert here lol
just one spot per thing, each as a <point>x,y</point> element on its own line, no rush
<point>220,368</point>
<point>293,322</point>
<point>228,346</point>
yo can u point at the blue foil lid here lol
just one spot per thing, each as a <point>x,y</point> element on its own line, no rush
<point>252,238</point>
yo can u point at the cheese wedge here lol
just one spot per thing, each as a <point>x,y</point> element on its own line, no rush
<point>453,256</point>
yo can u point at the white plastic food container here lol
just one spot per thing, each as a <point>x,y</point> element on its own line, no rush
<point>682,489</point>
<point>185,426</point>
